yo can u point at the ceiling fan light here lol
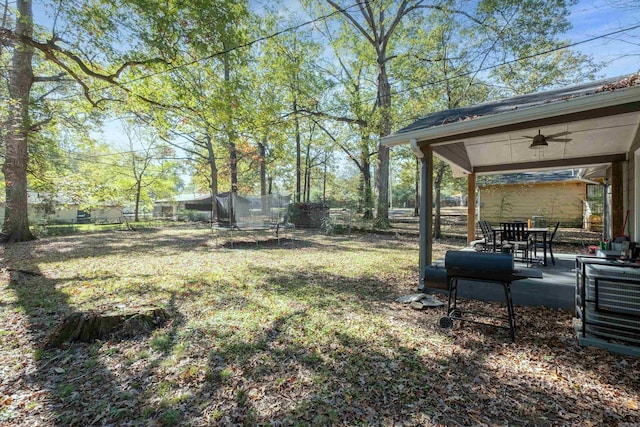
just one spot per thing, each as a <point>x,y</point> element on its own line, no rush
<point>539,141</point>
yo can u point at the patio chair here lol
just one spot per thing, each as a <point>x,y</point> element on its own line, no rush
<point>540,245</point>
<point>516,235</point>
<point>486,244</point>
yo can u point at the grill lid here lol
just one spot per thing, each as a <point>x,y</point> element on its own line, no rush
<point>487,266</point>
<point>479,261</point>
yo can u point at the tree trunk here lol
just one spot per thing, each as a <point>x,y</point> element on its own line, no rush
<point>437,185</point>
<point>16,220</point>
<point>367,195</point>
<point>233,152</point>
<point>138,189</point>
<point>308,180</point>
<point>214,178</point>
<point>90,326</point>
<point>437,229</point>
<point>382,176</point>
<point>324,178</point>
<point>365,171</point>
<point>233,166</point>
<point>306,192</point>
<point>298,149</point>
<point>263,177</point>
<point>233,163</point>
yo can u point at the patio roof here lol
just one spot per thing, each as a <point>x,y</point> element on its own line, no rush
<point>602,119</point>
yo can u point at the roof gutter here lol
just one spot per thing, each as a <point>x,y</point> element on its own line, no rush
<point>558,108</point>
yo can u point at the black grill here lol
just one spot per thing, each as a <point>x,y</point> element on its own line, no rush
<point>475,267</point>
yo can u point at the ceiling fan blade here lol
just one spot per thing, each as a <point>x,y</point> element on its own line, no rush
<point>559,139</point>
<point>525,136</point>
<point>557,134</point>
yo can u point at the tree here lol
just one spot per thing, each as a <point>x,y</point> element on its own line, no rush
<point>17,129</point>
<point>203,101</point>
<point>511,42</point>
<point>105,41</point>
<point>351,90</point>
<point>427,45</point>
<point>146,163</point>
<point>378,29</point>
<point>288,64</point>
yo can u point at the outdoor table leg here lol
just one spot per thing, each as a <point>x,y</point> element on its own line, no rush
<point>494,239</point>
<point>535,234</point>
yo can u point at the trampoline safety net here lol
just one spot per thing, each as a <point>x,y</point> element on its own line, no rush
<point>246,211</point>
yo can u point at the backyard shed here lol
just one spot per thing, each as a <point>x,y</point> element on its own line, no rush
<point>172,208</point>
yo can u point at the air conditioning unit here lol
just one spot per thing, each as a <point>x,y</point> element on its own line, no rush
<point>608,299</point>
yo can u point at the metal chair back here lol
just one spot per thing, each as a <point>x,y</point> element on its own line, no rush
<point>514,231</point>
<point>487,232</point>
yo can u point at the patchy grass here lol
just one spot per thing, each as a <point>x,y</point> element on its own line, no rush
<point>301,334</point>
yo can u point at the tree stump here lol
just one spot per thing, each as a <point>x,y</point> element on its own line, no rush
<point>90,326</point>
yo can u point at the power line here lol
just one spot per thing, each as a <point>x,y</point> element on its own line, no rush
<point>399,91</point>
<point>567,46</point>
<point>464,74</point>
<point>224,52</point>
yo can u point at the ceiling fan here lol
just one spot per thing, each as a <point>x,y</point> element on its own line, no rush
<point>541,141</point>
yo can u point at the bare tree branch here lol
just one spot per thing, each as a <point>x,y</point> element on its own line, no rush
<point>342,147</point>
<point>56,78</point>
<point>349,120</point>
<point>51,50</point>
<point>353,20</point>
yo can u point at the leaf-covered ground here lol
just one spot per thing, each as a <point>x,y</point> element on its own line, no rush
<point>304,333</point>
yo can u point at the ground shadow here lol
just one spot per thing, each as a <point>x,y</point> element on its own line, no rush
<point>72,384</point>
<point>294,366</point>
<point>64,393</point>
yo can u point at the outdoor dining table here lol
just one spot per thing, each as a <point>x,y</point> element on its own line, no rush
<point>538,233</point>
<point>542,232</point>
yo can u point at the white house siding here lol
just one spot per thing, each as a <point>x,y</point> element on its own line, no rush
<point>108,215</point>
<point>68,214</point>
<point>37,215</point>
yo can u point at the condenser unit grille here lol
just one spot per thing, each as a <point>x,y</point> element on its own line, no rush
<point>608,300</point>
<point>620,296</point>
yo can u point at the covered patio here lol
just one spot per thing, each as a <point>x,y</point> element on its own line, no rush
<point>593,126</point>
<point>599,127</point>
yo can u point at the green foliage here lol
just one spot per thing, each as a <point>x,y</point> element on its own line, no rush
<point>294,212</point>
<point>170,417</point>
<point>161,341</point>
<point>504,206</point>
<point>192,85</point>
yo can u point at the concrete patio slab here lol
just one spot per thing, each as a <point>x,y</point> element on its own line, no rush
<point>556,289</point>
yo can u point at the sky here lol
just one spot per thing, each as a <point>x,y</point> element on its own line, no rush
<point>590,19</point>
<point>593,18</point>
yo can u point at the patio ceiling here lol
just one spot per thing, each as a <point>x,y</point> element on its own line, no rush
<point>602,118</point>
